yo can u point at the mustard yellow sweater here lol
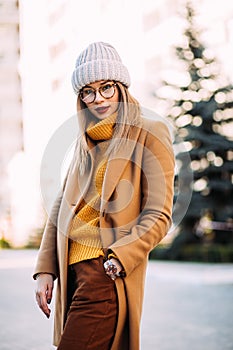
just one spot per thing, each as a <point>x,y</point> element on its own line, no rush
<point>85,242</point>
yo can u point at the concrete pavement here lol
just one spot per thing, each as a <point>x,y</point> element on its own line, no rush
<point>187,306</point>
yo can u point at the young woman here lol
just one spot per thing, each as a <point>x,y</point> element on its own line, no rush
<point>114,208</point>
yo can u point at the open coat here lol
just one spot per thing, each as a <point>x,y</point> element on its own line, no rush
<point>135,215</point>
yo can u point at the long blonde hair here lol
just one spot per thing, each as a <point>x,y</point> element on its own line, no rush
<point>129,114</point>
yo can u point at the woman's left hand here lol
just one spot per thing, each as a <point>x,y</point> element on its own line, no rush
<point>113,268</point>
<point>118,265</point>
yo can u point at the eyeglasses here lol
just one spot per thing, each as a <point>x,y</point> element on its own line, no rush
<point>88,94</point>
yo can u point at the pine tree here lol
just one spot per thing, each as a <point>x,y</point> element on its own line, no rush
<point>202,111</point>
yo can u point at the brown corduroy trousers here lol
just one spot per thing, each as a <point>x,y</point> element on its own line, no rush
<point>92,315</point>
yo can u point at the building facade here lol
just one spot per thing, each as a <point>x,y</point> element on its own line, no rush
<point>11,120</point>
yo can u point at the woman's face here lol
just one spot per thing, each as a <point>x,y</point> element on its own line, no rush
<point>101,98</point>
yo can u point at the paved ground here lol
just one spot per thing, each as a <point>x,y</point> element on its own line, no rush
<point>187,306</point>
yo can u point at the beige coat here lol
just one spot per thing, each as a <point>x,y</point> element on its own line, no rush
<point>135,210</point>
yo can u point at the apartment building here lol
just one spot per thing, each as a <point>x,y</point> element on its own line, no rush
<point>11,122</point>
<point>34,100</point>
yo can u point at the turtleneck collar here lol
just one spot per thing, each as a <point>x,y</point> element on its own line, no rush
<point>103,130</point>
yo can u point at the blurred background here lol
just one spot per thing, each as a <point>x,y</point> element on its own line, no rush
<point>179,55</point>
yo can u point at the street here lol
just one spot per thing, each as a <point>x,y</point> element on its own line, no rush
<point>187,306</point>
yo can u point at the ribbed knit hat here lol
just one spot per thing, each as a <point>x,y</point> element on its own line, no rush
<point>99,61</point>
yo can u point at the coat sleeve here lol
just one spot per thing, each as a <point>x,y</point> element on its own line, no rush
<point>47,255</point>
<point>157,183</point>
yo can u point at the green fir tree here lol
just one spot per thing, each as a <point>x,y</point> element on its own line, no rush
<point>202,112</point>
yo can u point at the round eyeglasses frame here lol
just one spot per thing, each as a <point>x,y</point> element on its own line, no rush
<point>91,96</point>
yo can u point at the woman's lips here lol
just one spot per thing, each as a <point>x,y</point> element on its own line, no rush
<point>102,110</point>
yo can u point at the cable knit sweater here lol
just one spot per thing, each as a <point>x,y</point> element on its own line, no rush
<point>85,242</point>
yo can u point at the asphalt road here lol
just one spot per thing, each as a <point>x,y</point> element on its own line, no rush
<point>187,306</point>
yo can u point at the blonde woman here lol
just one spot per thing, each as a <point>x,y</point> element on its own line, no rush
<point>114,208</point>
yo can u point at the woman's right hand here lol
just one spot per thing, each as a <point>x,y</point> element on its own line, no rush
<point>44,292</point>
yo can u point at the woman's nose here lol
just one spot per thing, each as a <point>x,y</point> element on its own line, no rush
<point>98,97</point>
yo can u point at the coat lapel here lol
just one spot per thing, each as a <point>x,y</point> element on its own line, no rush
<point>117,164</point>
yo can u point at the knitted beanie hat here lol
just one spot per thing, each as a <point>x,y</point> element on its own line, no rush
<point>99,61</point>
